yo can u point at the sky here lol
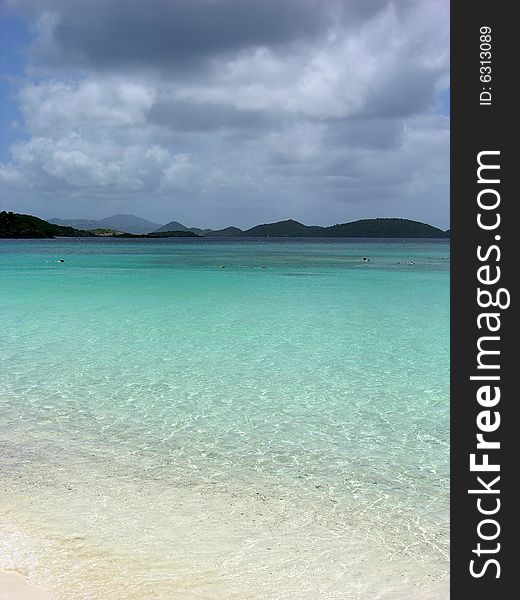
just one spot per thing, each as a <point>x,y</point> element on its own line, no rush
<point>225,112</point>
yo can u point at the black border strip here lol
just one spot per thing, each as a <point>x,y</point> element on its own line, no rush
<point>476,128</point>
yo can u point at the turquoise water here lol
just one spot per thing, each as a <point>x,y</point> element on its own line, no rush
<point>277,428</point>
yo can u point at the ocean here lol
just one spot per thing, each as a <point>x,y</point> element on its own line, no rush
<point>238,419</point>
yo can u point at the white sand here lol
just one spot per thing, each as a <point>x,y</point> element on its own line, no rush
<point>14,586</point>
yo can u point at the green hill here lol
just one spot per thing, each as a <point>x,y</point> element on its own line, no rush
<point>384,228</point>
<point>176,226</point>
<point>125,223</point>
<point>14,225</point>
<point>289,228</point>
<point>367,228</point>
<point>227,232</point>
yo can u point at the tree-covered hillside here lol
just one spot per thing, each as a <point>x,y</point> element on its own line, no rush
<point>14,225</point>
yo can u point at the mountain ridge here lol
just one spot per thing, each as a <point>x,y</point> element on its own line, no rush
<point>382,227</point>
<point>16,225</point>
<point>20,226</point>
<point>176,226</point>
<point>120,222</point>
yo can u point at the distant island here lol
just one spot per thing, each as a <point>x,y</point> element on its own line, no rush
<point>17,226</point>
<point>120,222</point>
<point>366,228</point>
<point>14,225</point>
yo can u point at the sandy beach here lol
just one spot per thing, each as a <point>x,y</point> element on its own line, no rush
<point>14,586</point>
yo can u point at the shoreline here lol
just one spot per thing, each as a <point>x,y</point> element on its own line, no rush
<point>15,586</point>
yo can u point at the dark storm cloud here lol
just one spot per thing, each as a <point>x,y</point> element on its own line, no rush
<point>107,34</point>
<point>402,91</point>
<point>184,116</point>
<point>364,132</point>
<point>116,33</point>
<point>312,109</point>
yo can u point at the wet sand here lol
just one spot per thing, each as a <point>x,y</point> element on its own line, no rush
<point>14,586</point>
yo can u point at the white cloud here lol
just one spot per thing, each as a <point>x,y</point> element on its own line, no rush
<point>72,162</point>
<point>95,106</point>
<point>328,125</point>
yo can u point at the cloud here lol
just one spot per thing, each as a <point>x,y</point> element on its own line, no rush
<point>93,105</point>
<point>106,34</point>
<point>206,110</point>
<point>70,162</point>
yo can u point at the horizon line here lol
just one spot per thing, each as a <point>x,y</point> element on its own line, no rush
<point>243,228</point>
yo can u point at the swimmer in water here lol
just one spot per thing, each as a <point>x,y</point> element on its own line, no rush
<point>366,259</point>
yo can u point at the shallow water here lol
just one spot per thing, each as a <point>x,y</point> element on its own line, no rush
<point>274,429</point>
